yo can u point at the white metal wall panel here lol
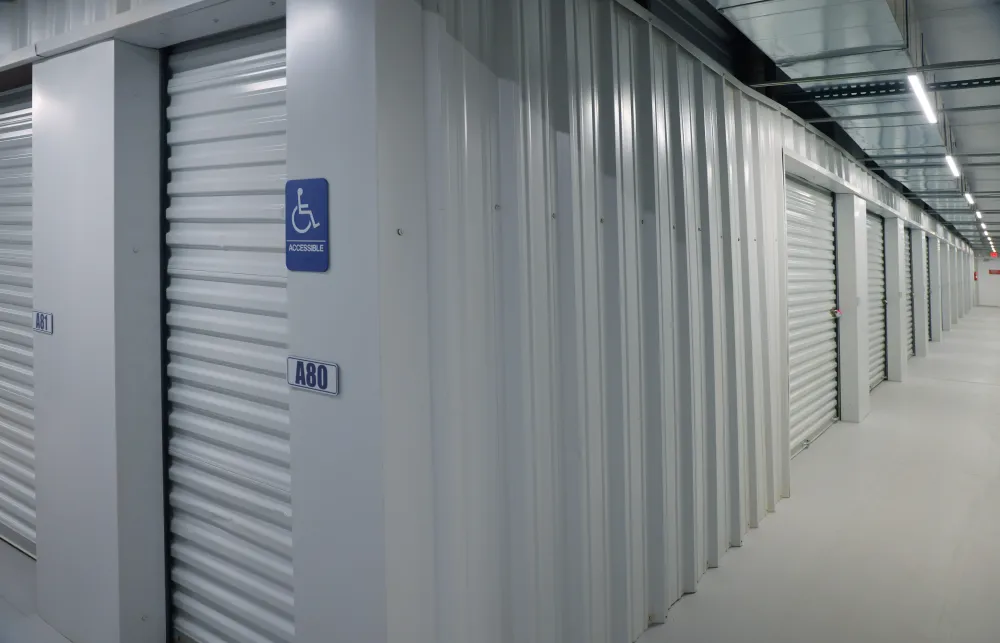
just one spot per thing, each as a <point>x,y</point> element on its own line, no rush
<point>812,300</point>
<point>911,340</point>
<point>17,418</point>
<point>230,493</point>
<point>876,301</point>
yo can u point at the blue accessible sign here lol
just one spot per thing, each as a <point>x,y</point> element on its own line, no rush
<point>307,225</point>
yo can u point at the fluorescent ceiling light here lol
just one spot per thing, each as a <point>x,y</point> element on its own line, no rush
<point>984,225</point>
<point>922,98</point>
<point>968,197</point>
<point>952,165</point>
<point>979,215</point>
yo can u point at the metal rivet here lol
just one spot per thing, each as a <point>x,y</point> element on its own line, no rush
<point>602,219</point>
<point>399,231</point>
<point>553,215</point>
<point>496,207</point>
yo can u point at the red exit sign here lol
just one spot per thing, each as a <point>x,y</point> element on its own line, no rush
<point>993,254</point>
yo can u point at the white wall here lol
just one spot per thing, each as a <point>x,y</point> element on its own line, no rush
<point>988,286</point>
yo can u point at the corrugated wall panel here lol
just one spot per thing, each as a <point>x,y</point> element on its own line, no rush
<point>756,362</point>
<point>17,417</point>
<point>586,605</point>
<point>463,229</point>
<point>736,338</point>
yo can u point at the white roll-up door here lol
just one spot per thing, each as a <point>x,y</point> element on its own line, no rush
<point>927,281</point>
<point>911,341</point>
<point>17,375</point>
<point>230,473</point>
<point>812,302</point>
<point>876,301</point>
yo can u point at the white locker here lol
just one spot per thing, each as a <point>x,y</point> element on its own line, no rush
<point>812,303</point>
<point>229,442</point>
<point>17,375</point>
<point>876,301</point>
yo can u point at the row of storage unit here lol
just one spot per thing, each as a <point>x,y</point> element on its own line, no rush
<point>635,310</point>
<point>814,305</point>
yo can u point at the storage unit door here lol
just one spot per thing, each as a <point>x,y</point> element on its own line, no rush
<point>812,302</point>
<point>927,282</point>
<point>230,474</point>
<point>17,389</point>
<point>876,301</point>
<point>911,340</point>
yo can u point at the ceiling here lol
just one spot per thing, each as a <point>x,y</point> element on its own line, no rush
<point>839,53</point>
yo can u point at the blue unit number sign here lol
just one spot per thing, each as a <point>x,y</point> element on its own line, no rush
<point>321,377</point>
<point>307,225</point>
<point>43,322</point>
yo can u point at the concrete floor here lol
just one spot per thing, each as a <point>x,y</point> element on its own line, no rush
<point>892,533</point>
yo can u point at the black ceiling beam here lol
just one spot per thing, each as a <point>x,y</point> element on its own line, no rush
<point>923,155</point>
<point>912,166</point>
<point>882,89</point>
<point>869,117</point>
<point>898,71</point>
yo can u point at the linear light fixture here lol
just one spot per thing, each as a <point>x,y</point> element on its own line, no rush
<point>968,197</point>
<point>950,160</point>
<point>979,215</point>
<point>922,98</point>
<point>984,225</point>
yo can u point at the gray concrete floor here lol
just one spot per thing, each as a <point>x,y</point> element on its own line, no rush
<point>892,533</point>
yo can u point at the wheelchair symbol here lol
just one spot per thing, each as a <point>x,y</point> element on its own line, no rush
<point>302,209</point>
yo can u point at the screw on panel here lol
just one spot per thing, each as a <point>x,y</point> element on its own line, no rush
<point>553,215</point>
<point>399,231</point>
<point>496,207</point>
<point>602,219</point>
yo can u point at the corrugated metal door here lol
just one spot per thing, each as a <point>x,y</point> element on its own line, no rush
<point>911,341</point>
<point>876,301</point>
<point>230,473</point>
<point>17,415</point>
<point>812,301</point>
<point>927,281</point>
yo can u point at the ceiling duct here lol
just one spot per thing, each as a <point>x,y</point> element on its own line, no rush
<point>854,43</point>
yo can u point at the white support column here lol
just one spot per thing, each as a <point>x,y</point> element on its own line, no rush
<point>895,291</point>
<point>852,297</point>
<point>979,267</point>
<point>362,492</point>
<point>956,286</point>
<point>98,389</point>
<point>934,252</point>
<point>970,271</point>
<point>921,307</point>
<point>946,318</point>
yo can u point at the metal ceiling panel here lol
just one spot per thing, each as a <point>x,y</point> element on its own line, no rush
<point>790,31</point>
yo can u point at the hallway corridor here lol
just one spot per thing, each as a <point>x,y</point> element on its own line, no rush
<point>892,533</point>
